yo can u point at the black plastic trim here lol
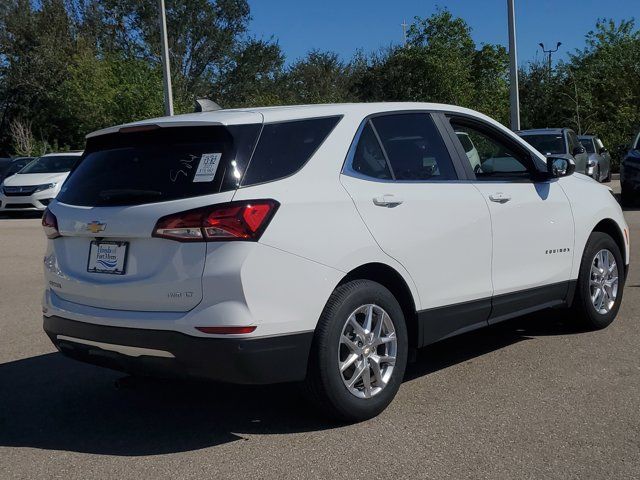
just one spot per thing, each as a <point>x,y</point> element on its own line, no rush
<point>439,323</point>
<point>436,324</point>
<point>262,360</point>
<point>510,305</point>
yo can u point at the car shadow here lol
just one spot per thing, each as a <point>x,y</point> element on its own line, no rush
<point>51,402</point>
<point>480,342</point>
<point>19,215</point>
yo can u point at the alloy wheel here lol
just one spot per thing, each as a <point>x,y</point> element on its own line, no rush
<point>603,282</point>
<point>367,351</point>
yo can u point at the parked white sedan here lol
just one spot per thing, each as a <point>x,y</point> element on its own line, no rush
<point>37,184</point>
<point>318,244</point>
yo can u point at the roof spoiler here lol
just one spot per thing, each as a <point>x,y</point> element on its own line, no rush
<point>206,105</point>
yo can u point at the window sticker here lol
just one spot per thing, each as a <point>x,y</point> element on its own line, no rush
<point>207,167</point>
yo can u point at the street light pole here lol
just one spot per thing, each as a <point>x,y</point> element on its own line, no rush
<point>168,95</point>
<point>513,68</point>
<point>550,52</point>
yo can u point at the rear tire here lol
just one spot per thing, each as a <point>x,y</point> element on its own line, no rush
<point>600,283</point>
<point>372,355</point>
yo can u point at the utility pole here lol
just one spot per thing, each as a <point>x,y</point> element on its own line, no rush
<point>404,32</point>
<point>166,69</point>
<point>513,68</point>
<point>550,52</point>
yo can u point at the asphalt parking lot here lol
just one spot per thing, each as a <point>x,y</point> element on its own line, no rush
<point>531,398</point>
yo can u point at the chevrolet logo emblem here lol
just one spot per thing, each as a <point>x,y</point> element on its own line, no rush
<point>95,227</point>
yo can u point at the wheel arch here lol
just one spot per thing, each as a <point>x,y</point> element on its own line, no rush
<point>611,228</point>
<point>391,279</point>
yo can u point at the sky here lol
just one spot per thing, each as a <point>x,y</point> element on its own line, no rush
<point>345,26</point>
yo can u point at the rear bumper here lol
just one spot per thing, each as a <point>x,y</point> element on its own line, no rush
<point>164,353</point>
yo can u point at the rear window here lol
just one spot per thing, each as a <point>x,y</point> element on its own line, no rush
<point>549,143</point>
<point>285,147</point>
<point>160,165</point>
<point>165,164</point>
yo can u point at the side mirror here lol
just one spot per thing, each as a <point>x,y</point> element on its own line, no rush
<point>578,151</point>
<point>603,150</point>
<point>560,167</point>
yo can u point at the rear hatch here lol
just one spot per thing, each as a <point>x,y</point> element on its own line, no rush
<point>108,207</point>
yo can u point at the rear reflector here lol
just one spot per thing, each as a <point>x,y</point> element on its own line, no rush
<point>226,330</point>
<point>244,220</point>
<point>50,224</point>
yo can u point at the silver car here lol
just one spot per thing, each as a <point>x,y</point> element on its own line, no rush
<point>599,163</point>
<point>558,142</point>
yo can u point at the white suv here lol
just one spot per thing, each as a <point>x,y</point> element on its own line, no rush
<point>317,244</point>
<point>37,184</point>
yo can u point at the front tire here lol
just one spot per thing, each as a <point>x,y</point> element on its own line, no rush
<point>359,353</point>
<point>600,282</point>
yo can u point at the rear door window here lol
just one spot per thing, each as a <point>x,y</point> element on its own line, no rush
<point>285,147</point>
<point>159,165</point>
<point>414,147</point>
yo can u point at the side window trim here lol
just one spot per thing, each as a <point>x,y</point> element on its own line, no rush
<point>347,168</point>
<point>492,131</point>
<point>456,150</point>
<point>437,118</point>
<point>384,150</point>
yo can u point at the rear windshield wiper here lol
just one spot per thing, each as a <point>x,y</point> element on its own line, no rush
<point>120,194</point>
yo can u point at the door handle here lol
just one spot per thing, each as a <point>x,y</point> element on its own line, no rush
<point>387,201</point>
<point>499,197</point>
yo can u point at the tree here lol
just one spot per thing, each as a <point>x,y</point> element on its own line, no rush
<point>320,77</point>
<point>252,76</point>
<point>35,45</point>
<point>440,63</point>
<point>202,36</point>
<point>607,75</point>
<point>22,136</point>
<point>597,91</point>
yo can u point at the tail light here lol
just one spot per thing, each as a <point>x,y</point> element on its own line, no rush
<point>244,220</point>
<point>50,224</point>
